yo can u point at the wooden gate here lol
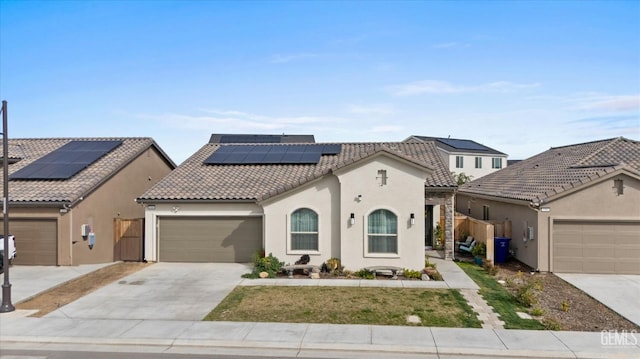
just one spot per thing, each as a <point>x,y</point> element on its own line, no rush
<point>128,236</point>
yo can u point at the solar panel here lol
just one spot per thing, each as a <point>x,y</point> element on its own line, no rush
<point>271,154</point>
<point>250,139</point>
<point>463,144</point>
<point>66,161</point>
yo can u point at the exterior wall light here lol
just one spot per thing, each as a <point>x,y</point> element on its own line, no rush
<point>352,219</point>
<point>412,219</point>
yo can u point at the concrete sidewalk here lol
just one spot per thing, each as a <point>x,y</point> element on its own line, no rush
<point>313,340</point>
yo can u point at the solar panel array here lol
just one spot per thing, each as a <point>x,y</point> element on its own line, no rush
<point>250,139</point>
<point>66,161</point>
<point>463,144</point>
<point>271,154</point>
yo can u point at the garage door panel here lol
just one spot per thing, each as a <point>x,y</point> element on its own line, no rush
<point>596,247</point>
<point>36,241</point>
<point>209,239</point>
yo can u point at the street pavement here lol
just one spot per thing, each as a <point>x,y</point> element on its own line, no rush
<point>619,292</point>
<point>150,322</point>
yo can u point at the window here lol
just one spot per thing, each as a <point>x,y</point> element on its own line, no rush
<point>383,232</point>
<point>459,161</point>
<point>304,230</point>
<point>496,162</point>
<point>382,177</point>
<point>485,213</point>
<point>478,162</point>
<point>618,185</point>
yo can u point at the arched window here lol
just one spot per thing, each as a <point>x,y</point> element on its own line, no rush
<point>304,230</point>
<point>383,232</point>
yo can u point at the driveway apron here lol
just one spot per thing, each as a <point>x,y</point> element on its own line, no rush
<point>163,291</point>
<point>619,292</point>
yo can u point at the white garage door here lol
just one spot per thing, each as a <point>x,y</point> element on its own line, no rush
<point>209,239</point>
<point>596,247</point>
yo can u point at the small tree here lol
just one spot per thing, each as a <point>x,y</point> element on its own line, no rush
<point>461,178</point>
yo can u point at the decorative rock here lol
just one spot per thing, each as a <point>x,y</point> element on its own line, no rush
<point>315,270</point>
<point>425,276</point>
<point>501,281</point>
<point>413,319</point>
<point>314,275</point>
<point>263,275</point>
<point>524,315</point>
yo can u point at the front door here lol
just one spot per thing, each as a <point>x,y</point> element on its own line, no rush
<point>428,225</point>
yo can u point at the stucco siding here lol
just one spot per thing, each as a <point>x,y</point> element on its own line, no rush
<point>521,217</point>
<point>323,198</point>
<point>362,193</point>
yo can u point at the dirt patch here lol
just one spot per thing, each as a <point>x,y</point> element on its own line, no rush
<point>563,306</point>
<point>62,295</point>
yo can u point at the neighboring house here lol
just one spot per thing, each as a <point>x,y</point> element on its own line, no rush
<point>573,209</point>
<point>466,156</point>
<point>260,138</point>
<point>64,194</point>
<point>361,202</point>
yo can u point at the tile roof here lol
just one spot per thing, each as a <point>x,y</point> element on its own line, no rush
<point>449,145</point>
<point>81,184</point>
<point>193,180</point>
<point>559,169</point>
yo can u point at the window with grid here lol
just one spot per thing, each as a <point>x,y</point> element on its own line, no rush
<point>459,161</point>
<point>382,232</point>
<point>496,162</point>
<point>304,230</point>
<point>478,162</point>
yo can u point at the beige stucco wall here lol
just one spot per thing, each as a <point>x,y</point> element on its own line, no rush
<point>153,211</point>
<point>114,199</point>
<point>596,201</point>
<point>403,194</point>
<point>320,196</point>
<point>520,215</point>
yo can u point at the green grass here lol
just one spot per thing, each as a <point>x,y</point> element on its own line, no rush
<point>503,302</point>
<point>346,305</point>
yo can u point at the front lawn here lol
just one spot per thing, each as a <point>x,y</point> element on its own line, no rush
<point>346,305</point>
<point>499,298</point>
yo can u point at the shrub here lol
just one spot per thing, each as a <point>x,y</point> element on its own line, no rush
<point>412,274</point>
<point>269,264</point>
<point>435,276</point>
<point>537,312</point>
<point>552,324</point>
<point>364,274</point>
<point>564,305</point>
<point>479,250</point>
<point>428,264</point>
<point>526,296</point>
<point>490,268</point>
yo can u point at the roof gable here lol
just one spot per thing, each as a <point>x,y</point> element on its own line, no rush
<point>557,171</point>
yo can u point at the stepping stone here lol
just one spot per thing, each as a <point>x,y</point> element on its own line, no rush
<point>524,315</point>
<point>414,319</point>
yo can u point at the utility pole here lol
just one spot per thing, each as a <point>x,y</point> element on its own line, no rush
<point>6,285</point>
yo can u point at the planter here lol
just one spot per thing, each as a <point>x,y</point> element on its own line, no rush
<point>478,260</point>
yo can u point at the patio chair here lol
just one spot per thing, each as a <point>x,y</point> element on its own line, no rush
<point>467,242</point>
<point>464,248</point>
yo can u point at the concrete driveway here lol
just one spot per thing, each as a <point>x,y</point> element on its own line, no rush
<point>29,281</point>
<point>617,291</point>
<point>163,291</point>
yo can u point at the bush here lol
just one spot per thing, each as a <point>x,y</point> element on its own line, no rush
<point>526,296</point>
<point>364,274</point>
<point>537,312</point>
<point>479,250</point>
<point>490,268</point>
<point>269,264</point>
<point>435,276</point>
<point>428,264</point>
<point>565,306</point>
<point>552,324</point>
<point>412,274</point>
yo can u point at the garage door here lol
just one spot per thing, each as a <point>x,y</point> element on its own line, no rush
<point>36,241</point>
<point>209,239</point>
<point>596,247</point>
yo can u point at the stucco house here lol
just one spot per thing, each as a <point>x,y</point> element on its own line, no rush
<point>361,202</point>
<point>66,193</point>
<point>574,208</point>
<point>466,156</point>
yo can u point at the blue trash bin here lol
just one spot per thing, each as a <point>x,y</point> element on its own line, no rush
<point>500,249</point>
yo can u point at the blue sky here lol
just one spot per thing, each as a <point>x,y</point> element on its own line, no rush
<point>516,76</point>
